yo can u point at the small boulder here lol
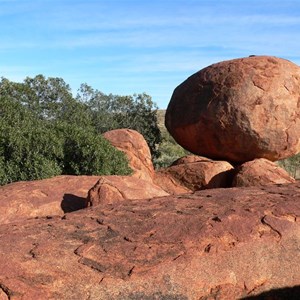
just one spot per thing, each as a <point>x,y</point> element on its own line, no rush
<point>136,149</point>
<point>239,110</point>
<point>112,189</point>
<point>196,173</point>
<point>190,159</point>
<point>170,184</point>
<point>259,172</point>
<point>47,197</point>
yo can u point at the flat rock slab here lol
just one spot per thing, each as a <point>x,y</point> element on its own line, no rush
<point>213,244</point>
<point>53,196</point>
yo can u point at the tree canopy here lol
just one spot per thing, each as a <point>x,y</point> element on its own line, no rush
<point>45,131</point>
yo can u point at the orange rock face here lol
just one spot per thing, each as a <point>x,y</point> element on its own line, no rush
<point>54,196</point>
<point>196,173</point>
<point>239,110</point>
<point>135,147</point>
<point>260,172</point>
<point>213,244</point>
<point>112,189</point>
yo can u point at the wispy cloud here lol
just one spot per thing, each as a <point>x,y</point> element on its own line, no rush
<point>144,45</point>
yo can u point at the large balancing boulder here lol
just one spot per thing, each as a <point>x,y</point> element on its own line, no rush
<point>239,110</point>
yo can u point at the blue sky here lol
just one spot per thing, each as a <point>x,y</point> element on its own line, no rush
<point>133,46</point>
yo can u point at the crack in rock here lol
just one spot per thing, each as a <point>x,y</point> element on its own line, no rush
<point>130,271</point>
<point>264,222</point>
<point>6,291</point>
<point>92,264</point>
<point>255,287</point>
<point>32,251</point>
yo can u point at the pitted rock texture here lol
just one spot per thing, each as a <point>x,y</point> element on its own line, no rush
<point>133,144</point>
<point>169,183</point>
<point>239,110</point>
<point>213,244</point>
<point>190,159</point>
<point>196,173</point>
<point>259,172</point>
<point>112,189</point>
<point>54,196</point>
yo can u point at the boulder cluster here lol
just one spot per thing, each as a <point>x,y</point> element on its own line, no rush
<point>236,116</point>
<point>221,223</point>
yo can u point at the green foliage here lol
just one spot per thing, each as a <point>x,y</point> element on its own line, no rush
<point>291,165</point>
<point>168,148</point>
<point>136,112</point>
<point>170,151</point>
<point>29,148</point>
<point>88,153</point>
<point>46,132</point>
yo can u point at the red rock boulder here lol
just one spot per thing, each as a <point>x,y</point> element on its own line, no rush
<point>112,189</point>
<point>136,149</point>
<point>196,173</point>
<point>169,183</point>
<point>259,172</point>
<point>47,197</point>
<point>239,110</point>
<point>190,159</point>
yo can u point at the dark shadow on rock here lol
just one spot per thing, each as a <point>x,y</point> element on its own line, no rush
<point>221,180</point>
<point>72,202</point>
<point>288,293</point>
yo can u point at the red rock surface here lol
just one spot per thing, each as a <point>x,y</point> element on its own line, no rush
<point>170,184</point>
<point>239,110</point>
<point>260,172</point>
<point>190,159</point>
<point>196,173</point>
<point>54,196</point>
<point>112,189</point>
<point>137,150</point>
<point>213,244</point>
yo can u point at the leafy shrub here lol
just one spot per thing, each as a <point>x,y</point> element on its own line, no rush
<point>88,153</point>
<point>291,165</point>
<point>29,148</point>
<point>41,139</point>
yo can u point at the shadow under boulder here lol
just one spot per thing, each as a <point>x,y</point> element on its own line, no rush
<point>72,202</point>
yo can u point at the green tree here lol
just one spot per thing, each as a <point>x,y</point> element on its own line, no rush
<point>46,132</point>
<point>29,148</point>
<point>136,112</point>
<point>88,153</point>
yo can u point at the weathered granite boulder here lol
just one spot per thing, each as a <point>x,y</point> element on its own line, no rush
<point>259,172</point>
<point>136,149</point>
<point>169,183</point>
<point>196,173</point>
<point>112,189</point>
<point>213,244</point>
<point>190,159</point>
<point>239,110</point>
<point>54,196</point>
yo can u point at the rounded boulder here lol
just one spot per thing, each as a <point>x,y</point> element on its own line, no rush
<point>135,147</point>
<point>239,110</point>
